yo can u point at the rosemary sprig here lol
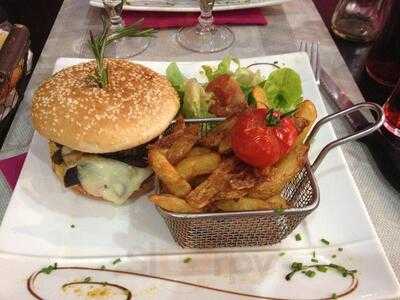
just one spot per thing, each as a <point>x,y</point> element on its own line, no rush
<point>99,43</point>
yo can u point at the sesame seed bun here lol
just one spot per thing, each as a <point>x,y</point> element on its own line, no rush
<point>136,106</point>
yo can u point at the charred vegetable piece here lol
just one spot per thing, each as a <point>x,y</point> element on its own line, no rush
<point>57,157</point>
<point>71,177</point>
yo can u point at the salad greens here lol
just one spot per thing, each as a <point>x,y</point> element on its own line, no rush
<point>175,77</point>
<point>195,101</point>
<point>282,88</point>
<point>246,78</point>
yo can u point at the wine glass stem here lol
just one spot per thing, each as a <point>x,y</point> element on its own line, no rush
<point>114,10</point>
<point>116,22</point>
<point>206,19</point>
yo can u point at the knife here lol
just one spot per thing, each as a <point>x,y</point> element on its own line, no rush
<point>383,146</point>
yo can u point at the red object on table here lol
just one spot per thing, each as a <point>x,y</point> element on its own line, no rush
<point>392,111</point>
<point>11,168</point>
<point>173,20</point>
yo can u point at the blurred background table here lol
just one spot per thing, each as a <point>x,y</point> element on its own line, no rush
<point>298,19</point>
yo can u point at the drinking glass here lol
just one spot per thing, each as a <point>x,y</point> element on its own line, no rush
<point>359,20</point>
<point>392,111</point>
<point>124,47</point>
<point>205,36</point>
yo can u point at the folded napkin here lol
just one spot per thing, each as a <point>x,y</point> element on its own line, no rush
<point>182,19</point>
<point>11,168</point>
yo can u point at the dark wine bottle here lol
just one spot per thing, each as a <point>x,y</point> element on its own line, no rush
<point>383,62</point>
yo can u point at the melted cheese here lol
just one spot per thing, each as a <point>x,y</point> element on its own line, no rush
<point>110,179</point>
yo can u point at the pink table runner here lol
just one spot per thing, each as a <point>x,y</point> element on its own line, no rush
<point>170,20</point>
<point>11,167</point>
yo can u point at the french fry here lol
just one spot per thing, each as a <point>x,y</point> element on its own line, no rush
<point>281,173</point>
<point>246,203</point>
<point>198,165</point>
<point>231,194</point>
<point>225,145</point>
<point>277,201</point>
<point>198,151</point>
<point>183,144</point>
<point>307,111</point>
<point>166,141</point>
<point>242,204</point>
<point>203,194</point>
<point>217,134</point>
<point>168,174</point>
<point>172,203</point>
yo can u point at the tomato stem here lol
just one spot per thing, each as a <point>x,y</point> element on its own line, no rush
<point>272,118</point>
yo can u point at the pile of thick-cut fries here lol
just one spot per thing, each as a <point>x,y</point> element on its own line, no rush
<point>201,174</point>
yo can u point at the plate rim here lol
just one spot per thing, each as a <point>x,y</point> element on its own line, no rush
<point>224,7</point>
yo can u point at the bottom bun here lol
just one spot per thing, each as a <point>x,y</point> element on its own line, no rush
<point>60,170</point>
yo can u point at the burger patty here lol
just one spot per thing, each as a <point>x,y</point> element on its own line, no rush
<point>114,177</point>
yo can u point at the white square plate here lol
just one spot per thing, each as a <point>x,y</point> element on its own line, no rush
<point>39,218</point>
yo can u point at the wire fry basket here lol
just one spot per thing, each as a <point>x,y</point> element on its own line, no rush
<point>262,227</point>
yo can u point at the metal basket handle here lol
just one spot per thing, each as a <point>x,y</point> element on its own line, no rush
<point>352,137</point>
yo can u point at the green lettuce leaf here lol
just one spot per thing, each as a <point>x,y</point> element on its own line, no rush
<point>224,67</point>
<point>283,90</point>
<point>175,77</point>
<point>246,77</point>
<point>196,100</point>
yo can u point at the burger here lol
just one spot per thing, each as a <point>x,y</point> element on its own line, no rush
<point>98,136</point>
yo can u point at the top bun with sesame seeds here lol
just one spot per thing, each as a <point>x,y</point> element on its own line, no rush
<point>136,106</point>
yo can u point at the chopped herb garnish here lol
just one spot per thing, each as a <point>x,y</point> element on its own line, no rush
<point>279,211</point>
<point>296,266</point>
<point>282,254</point>
<point>326,242</point>
<point>333,255</point>
<point>307,270</point>
<point>340,249</point>
<point>118,260</point>
<point>322,269</point>
<point>297,237</point>
<point>310,273</point>
<point>103,267</point>
<point>47,270</point>
<point>87,279</point>
<point>314,260</point>
<point>334,296</point>
<point>187,260</point>
<point>313,254</point>
<point>72,226</point>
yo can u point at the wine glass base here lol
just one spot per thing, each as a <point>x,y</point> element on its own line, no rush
<point>127,47</point>
<point>217,39</point>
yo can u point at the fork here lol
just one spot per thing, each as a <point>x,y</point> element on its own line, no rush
<point>312,50</point>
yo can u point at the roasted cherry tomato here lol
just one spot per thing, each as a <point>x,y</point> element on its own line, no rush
<point>261,137</point>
